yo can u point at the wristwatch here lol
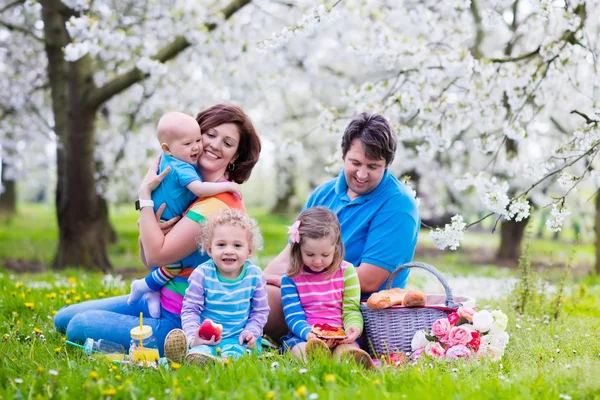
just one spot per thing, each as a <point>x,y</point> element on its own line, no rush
<point>139,204</point>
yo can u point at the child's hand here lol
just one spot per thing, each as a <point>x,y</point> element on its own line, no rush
<point>353,334</point>
<point>235,189</point>
<point>198,341</point>
<point>248,338</point>
<point>139,287</point>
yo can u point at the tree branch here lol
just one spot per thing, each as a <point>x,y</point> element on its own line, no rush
<point>125,80</point>
<point>588,120</point>
<point>475,50</point>
<point>517,58</point>
<point>17,28</point>
<point>11,5</point>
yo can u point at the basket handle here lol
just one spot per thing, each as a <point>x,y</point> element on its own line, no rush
<point>415,264</point>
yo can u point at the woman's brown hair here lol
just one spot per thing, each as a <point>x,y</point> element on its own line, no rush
<point>249,147</point>
<point>317,223</point>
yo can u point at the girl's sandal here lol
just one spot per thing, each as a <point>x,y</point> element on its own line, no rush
<point>176,345</point>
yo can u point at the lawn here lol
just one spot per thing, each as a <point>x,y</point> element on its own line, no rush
<point>554,346</point>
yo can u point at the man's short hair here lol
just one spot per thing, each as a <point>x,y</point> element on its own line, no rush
<point>375,133</point>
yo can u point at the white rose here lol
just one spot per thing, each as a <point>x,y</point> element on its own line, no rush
<point>500,319</point>
<point>494,353</point>
<point>482,321</point>
<point>418,341</point>
<point>499,339</point>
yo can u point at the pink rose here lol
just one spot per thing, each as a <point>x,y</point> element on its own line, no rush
<point>459,335</point>
<point>434,349</point>
<point>453,318</point>
<point>458,351</point>
<point>417,353</point>
<point>467,313</point>
<point>441,329</point>
<point>475,341</point>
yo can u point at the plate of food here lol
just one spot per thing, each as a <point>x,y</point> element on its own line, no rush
<point>326,331</point>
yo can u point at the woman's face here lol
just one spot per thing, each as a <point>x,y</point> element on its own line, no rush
<point>220,147</point>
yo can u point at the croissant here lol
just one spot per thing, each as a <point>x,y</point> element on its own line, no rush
<point>386,298</point>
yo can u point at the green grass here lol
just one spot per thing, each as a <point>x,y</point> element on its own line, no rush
<point>545,358</point>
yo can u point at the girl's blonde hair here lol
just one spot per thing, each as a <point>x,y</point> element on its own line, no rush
<point>234,217</point>
<point>317,223</point>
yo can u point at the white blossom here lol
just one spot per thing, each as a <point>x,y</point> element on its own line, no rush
<point>451,236</point>
<point>557,217</point>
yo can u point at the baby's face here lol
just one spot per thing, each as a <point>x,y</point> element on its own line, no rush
<point>186,146</point>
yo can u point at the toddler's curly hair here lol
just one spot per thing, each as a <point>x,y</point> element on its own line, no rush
<point>230,216</point>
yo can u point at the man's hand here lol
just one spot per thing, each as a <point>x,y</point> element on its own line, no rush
<point>248,338</point>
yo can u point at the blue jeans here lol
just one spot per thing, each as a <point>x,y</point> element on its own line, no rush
<point>229,348</point>
<point>112,319</point>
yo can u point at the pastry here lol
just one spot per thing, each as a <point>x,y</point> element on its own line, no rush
<point>386,298</point>
<point>327,331</point>
<point>414,298</point>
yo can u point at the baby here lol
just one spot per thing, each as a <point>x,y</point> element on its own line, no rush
<point>181,143</point>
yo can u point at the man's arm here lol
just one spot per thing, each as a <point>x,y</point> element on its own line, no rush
<point>206,189</point>
<point>278,266</point>
<point>371,277</point>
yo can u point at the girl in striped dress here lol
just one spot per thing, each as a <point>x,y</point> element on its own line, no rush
<point>319,287</point>
<point>228,289</point>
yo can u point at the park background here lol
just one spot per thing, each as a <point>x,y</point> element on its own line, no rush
<point>495,103</point>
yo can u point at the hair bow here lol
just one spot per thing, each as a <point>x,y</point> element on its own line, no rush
<point>294,232</point>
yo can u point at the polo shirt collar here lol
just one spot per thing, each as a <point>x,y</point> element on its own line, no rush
<point>341,188</point>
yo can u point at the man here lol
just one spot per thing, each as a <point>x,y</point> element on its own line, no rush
<point>378,215</point>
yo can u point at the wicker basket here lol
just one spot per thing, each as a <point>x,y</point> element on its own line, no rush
<point>391,330</point>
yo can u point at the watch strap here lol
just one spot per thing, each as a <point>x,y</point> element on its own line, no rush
<point>139,204</point>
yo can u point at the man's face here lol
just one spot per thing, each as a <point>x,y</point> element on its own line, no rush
<point>362,174</point>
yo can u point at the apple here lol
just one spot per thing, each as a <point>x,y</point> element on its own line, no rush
<point>208,329</point>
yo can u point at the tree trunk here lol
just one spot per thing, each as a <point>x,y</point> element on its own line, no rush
<point>8,196</point>
<point>597,233</point>
<point>511,236</point>
<point>81,219</point>
<point>286,186</point>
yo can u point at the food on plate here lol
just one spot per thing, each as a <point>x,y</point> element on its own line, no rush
<point>327,331</point>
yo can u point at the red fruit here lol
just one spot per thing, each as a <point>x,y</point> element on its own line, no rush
<point>208,329</point>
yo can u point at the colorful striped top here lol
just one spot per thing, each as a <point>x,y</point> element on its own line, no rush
<point>175,276</point>
<point>238,304</point>
<point>312,298</point>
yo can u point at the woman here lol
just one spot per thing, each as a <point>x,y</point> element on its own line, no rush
<point>231,149</point>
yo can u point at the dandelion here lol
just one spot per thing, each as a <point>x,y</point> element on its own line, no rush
<point>77,298</point>
<point>301,391</point>
<point>37,331</point>
<point>68,301</point>
<point>94,375</point>
<point>101,294</point>
<point>376,382</point>
<point>53,371</point>
<point>188,378</point>
<point>19,285</point>
<point>53,312</point>
<point>120,387</point>
<point>113,368</point>
<point>270,395</point>
<point>330,378</point>
<point>29,305</point>
<point>15,314</point>
<point>175,365</point>
<point>57,349</point>
<point>118,377</point>
<point>51,295</point>
<point>109,392</point>
<point>87,296</point>
<point>72,280</point>
<point>40,369</point>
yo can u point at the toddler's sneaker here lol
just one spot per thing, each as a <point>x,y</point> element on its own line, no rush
<point>198,358</point>
<point>176,345</point>
<point>360,356</point>
<point>315,347</point>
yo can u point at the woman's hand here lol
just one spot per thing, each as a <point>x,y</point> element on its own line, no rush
<point>152,180</point>
<point>166,226</point>
<point>353,334</point>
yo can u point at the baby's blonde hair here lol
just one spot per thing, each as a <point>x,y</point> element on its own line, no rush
<point>234,217</point>
<point>316,223</point>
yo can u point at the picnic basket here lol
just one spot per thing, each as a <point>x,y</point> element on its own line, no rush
<point>390,330</point>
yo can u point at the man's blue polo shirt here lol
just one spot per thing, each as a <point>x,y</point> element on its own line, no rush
<point>378,228</point>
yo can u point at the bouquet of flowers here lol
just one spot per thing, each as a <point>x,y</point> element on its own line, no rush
<point>464,334</point>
